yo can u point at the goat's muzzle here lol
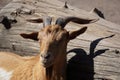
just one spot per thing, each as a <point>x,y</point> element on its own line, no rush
<point>46,59</point>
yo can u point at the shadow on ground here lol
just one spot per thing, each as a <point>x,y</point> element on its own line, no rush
<point>81,66</point>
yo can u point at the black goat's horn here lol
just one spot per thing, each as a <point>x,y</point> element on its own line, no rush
<point>47,21</point>
<point>63,21</point>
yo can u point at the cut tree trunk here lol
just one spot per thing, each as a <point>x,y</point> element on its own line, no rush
<point>94,55</point>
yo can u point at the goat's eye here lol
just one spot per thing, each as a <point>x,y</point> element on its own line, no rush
<point>59,40</point>
<point>61,37</point>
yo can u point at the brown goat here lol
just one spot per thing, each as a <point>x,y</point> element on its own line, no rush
<point>50,64</point>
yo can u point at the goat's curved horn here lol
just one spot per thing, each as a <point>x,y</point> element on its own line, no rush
<point>63,21</point>
<point>47,21</point>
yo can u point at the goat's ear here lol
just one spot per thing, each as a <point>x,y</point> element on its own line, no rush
<point>32,36</point>
<point>74,34</point>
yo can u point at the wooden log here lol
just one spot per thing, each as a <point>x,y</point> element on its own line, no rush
<point>94,55</point>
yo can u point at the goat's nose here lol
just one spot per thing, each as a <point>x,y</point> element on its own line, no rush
<point>46,56</point>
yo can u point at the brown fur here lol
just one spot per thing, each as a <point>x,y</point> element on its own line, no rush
<point>27,68</point>
<point>53,40</point>
<point>10,61</point>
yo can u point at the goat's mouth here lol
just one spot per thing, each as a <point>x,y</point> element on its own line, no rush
<point>46,64</point>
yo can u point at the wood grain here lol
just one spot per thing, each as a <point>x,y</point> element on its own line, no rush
<point>94,55</point>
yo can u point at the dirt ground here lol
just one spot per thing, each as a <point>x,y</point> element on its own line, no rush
<point>110,8</point>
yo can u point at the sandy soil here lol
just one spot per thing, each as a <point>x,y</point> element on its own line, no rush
<point>110,8</point>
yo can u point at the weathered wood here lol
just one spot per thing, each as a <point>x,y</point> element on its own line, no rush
<point>95,55</point>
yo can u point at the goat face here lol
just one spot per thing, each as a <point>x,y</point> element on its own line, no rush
<point>53,39</point>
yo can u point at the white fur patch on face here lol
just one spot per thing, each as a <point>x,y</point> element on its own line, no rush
<point>4,75</point>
